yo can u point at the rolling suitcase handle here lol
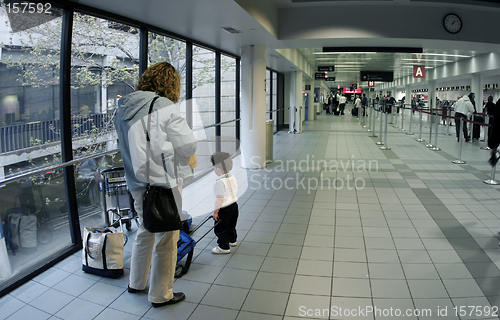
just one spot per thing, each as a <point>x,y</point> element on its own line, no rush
<point>202,223</point>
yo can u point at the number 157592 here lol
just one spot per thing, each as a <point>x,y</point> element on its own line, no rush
<point>28,7</point>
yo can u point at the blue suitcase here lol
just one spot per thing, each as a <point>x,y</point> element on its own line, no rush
<point>185,247</point>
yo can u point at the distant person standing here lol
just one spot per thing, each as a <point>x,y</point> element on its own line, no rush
<point>490,112</point>
<point>472,96</point>
<point>462,108</point>
<point>342,101</point>
<point>364,104</point>
<point>494,138</point>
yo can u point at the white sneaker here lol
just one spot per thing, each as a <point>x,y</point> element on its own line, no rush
<point>233,244</point>
<point>218,250</point>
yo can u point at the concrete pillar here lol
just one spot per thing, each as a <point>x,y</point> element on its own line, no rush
<point>296,97</point>
<point>311,115</point>
<point>432,94</point>
<point>253,106</point>
<point>408,94</point>
<point>287,103</point>
<point>477,87</point>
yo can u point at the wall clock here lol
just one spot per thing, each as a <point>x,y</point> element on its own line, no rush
<point>452,23</point>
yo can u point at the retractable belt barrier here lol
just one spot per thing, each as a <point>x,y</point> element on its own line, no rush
<point>442,113</point>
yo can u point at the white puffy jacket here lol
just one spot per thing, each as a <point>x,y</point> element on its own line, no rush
<point>169,132</point>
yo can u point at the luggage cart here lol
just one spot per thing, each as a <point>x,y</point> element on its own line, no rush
<point>117,199</point>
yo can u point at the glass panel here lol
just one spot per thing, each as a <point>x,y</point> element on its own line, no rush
<point>29,90</point>
<point>35,224</point>
<point>206,147</point>
<point>204,104</point>
<point>30,139</point>
<point>228,104</point>
<point>162,48</point>
<point>228,139</point>
<point>104,67</point>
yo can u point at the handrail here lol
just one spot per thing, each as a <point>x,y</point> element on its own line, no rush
<point>55,166</point>
<point>217,124</point>
<point>271,111</point>
<point>76,161</point>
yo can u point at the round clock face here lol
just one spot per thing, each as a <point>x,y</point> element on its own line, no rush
<point>452,23</point>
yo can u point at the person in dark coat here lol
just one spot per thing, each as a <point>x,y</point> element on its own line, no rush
<point>494,138</point>
<point>490,112</point>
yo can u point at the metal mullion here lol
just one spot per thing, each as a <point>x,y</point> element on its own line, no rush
<point>218,100</point>
<point>66,136</point>
<point>189,84</point>
<point>271,94</point>
<point>237,106</point>
<point>143,50</point>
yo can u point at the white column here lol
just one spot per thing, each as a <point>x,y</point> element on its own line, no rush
<point>253,107</point>
<point>432,94</point>
<point>477,87</point>
<point>296,99</point>
<point>310,100</point>
<point>408,94</point>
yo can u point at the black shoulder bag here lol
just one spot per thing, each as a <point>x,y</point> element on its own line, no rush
<point>161,205</point>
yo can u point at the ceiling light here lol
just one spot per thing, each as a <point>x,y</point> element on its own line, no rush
<point>425,60</point>
<point>445,55</point>
<point>345,53</point>
<point>411,66</point>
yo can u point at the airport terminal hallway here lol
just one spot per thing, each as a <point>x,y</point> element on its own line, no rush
<point>334,228</point>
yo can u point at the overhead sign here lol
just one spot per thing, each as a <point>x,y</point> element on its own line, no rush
<point>330,79</point>
<point>386,76</point>
<point>371,83</point>
<point>418,71</point>
<point>326,68</point>
<point>320,76</point>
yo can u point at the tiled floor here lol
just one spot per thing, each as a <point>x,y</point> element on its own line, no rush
<point>334,222</point>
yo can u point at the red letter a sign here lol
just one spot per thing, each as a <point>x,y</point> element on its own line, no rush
<point>418,71</point>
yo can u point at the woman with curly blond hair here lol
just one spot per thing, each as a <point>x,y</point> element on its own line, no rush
<point>171,143</point>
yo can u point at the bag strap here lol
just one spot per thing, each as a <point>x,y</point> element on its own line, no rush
<point>148,141</point>
<point>148,147</point>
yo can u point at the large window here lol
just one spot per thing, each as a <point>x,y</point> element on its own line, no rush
<point>162,48</point>
<point>104,67</point>
<point>204,104</point>
<point>39,101</point>
<point>30,139</point>
<point>228,104</point>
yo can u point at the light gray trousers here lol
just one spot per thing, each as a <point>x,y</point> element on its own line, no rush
<point>157,251</point>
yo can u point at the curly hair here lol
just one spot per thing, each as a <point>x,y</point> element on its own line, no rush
<point>163,79</point>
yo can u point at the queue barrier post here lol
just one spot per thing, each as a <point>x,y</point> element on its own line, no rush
<point>363,114</point>
<point>448,124</point>
<point>460,142</point>
<point>430,145</point>
<point>403,117</point>
<point>380,142</point>
<point>411,120</point>
<point>435,148</point>
<point>373,135</point>
<point>492,180</point>
<point>385,147</point>
<point>421,125</point>
<point>486,135</point>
